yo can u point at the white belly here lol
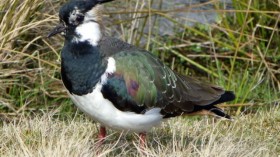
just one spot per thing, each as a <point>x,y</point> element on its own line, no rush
<point>103,111</point>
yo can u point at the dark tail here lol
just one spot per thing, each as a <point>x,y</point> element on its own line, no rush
<point>227,96</point>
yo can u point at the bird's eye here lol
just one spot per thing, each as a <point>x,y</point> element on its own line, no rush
<point>75,17</point>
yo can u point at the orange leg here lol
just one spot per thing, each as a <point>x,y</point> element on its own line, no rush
<point>102,134</point>
<point>101,139</point>
<point>142,136</point>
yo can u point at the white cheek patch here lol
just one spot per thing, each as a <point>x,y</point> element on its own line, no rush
<point>90,32</point>
<point>89,29</point>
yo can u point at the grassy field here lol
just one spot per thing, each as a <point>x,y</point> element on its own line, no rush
<point>240,52</point>
<point>248,135</point>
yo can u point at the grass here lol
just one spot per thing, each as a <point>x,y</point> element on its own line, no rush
<point>248,135</point>
<point>240,53</point>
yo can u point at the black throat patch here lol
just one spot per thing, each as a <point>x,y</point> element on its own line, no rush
<point>82,67</point>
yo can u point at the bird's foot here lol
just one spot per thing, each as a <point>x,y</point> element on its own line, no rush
<point>102,135</point>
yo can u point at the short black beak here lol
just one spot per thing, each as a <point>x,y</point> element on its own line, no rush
<point>58,29</point>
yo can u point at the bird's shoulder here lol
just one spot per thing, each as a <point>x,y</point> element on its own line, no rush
<point>109,46</point>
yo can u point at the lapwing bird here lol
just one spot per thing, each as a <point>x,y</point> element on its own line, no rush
<point>121,86</point>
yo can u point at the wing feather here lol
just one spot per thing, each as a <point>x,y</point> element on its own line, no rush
<point>142,81</point>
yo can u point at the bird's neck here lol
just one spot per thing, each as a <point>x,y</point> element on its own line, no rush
<point>90,32</point>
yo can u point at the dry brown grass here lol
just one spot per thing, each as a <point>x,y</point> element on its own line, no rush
<point>249,135</point>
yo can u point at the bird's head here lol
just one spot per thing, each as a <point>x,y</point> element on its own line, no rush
<point>76,13</point>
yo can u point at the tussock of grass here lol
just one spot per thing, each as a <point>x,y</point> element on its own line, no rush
<point>248,135</point>
<point>29,63</point>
